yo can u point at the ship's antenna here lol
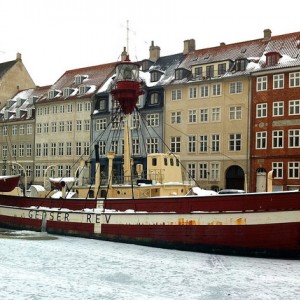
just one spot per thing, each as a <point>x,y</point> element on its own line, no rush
<point>127,35</point>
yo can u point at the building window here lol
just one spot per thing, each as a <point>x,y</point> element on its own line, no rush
<point>204,115</point>
<point>277,139</point>
<point>203,170</point>
<point>135,121</point>
<point>45,149</point>
<point>215,171</point>
<point>29,129</point>
<point>46,127</point>
<point>38,171</point>
<point>152,145</point>
<point>235,142</point>
<point>294,138</point>
<point>278,108</point>
<point>235,113</point>
<point>155,76</point>
<point>53,127</point>
<point>86,148</point>
<point>38,150</point>
<point>152,120</point>
<point>192,144</point>
<point>61,126</point>
<point>61,109</point>
<point>203,143</point>
<point>277,168</point>
<point>278,81</point>
<point>87,106</point>
<point>5,131</point>
<point>210,71</point>
<point>154,99</point>
<point>78,125</point>
<point>221,69</point>
<point>28,171</point>
<point>175,144</point>
<point>294,79</point>
<point>176,117</point>
<point>192,116</point>
<point>294,107</point>
<point>60,148</point>
<point>204,91</point>
<point>21,150</point>
<point>86,125</point>
<point>176,94</point>
<point>21,130</point>
<point>14,151</point>
<point>4,151</point>
<point>293,170</point>
<point>68,148</point>
<point>236,87</point>
<point>261,110</point>
<point>191,168</point>
<point>135,146</point>
<point>179,74</point>
<point>100,124</point>
<point>79,107</point>
<point>261,83</point>
<point>215,142</point>
<point>193,92</point>
<point>102,146</point>
<point>69,126</point>
<point>198,72</point>
<point>28,150</point>
<point>261,140</point>
<point>216,89</point>
<point>39,128</point>
<point>241,64</point>
<point>69,108</point>
<point>15,130</point>
<point>53,149</point>
<point>216,114</point>
<point>78,148</point>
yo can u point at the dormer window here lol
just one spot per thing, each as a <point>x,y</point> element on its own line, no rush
<point>154,99</point>
<point>146,65</point>
<point>52,93</point>
<point>20,101</point>
<point>198,72</point>
<point>67,92</point>
<point>179,74</point>
<point>83,89</point>
<point>210,71</point>
<point>272,58</point>
<point>32,99</point>
<point>155,76</point>
<point>80,78</point>
<point>241,64</point>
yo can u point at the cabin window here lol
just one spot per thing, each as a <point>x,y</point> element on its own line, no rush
<point>165,161</point>
<point>154,161</point>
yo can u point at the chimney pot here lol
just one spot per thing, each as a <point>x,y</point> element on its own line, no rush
<point>189,46</point>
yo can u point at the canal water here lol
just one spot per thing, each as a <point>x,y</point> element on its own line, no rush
<point>41,266</point>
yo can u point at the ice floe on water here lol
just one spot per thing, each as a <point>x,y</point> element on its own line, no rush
<point>41,266</point>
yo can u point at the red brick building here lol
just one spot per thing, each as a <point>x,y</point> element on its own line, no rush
<point>275,115</point>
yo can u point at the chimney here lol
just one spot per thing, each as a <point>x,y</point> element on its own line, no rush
<point>189,46</point>
<point>267,34</point>
<point>19,56</point>
<point>124,54</point>
<point>154,52</point>
<point>222,44</point>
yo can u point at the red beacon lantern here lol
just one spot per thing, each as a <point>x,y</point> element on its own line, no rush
<point>127,86</point>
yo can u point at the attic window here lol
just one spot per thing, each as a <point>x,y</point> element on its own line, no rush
<point>155,76</point>
<point>79,78</point>
<point>206,56</point>
<point>145,65</point>
<point>241,64</point>
<point>32,99</point>
<point>179,74</point>
<point>52,93</point>
<point>67,92</point>
<point>272,58</point>
<point>83,89</point>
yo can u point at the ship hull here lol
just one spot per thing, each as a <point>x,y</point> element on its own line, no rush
<point>268,233</point>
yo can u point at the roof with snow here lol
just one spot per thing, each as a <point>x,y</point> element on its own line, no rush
<point>92,78</point>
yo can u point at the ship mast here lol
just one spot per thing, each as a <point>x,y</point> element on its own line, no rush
<point>126,90</point>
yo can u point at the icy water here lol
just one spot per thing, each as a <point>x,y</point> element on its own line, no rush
<point>41,266</point>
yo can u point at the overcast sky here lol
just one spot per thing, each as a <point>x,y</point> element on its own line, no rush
<point>54,36</point>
